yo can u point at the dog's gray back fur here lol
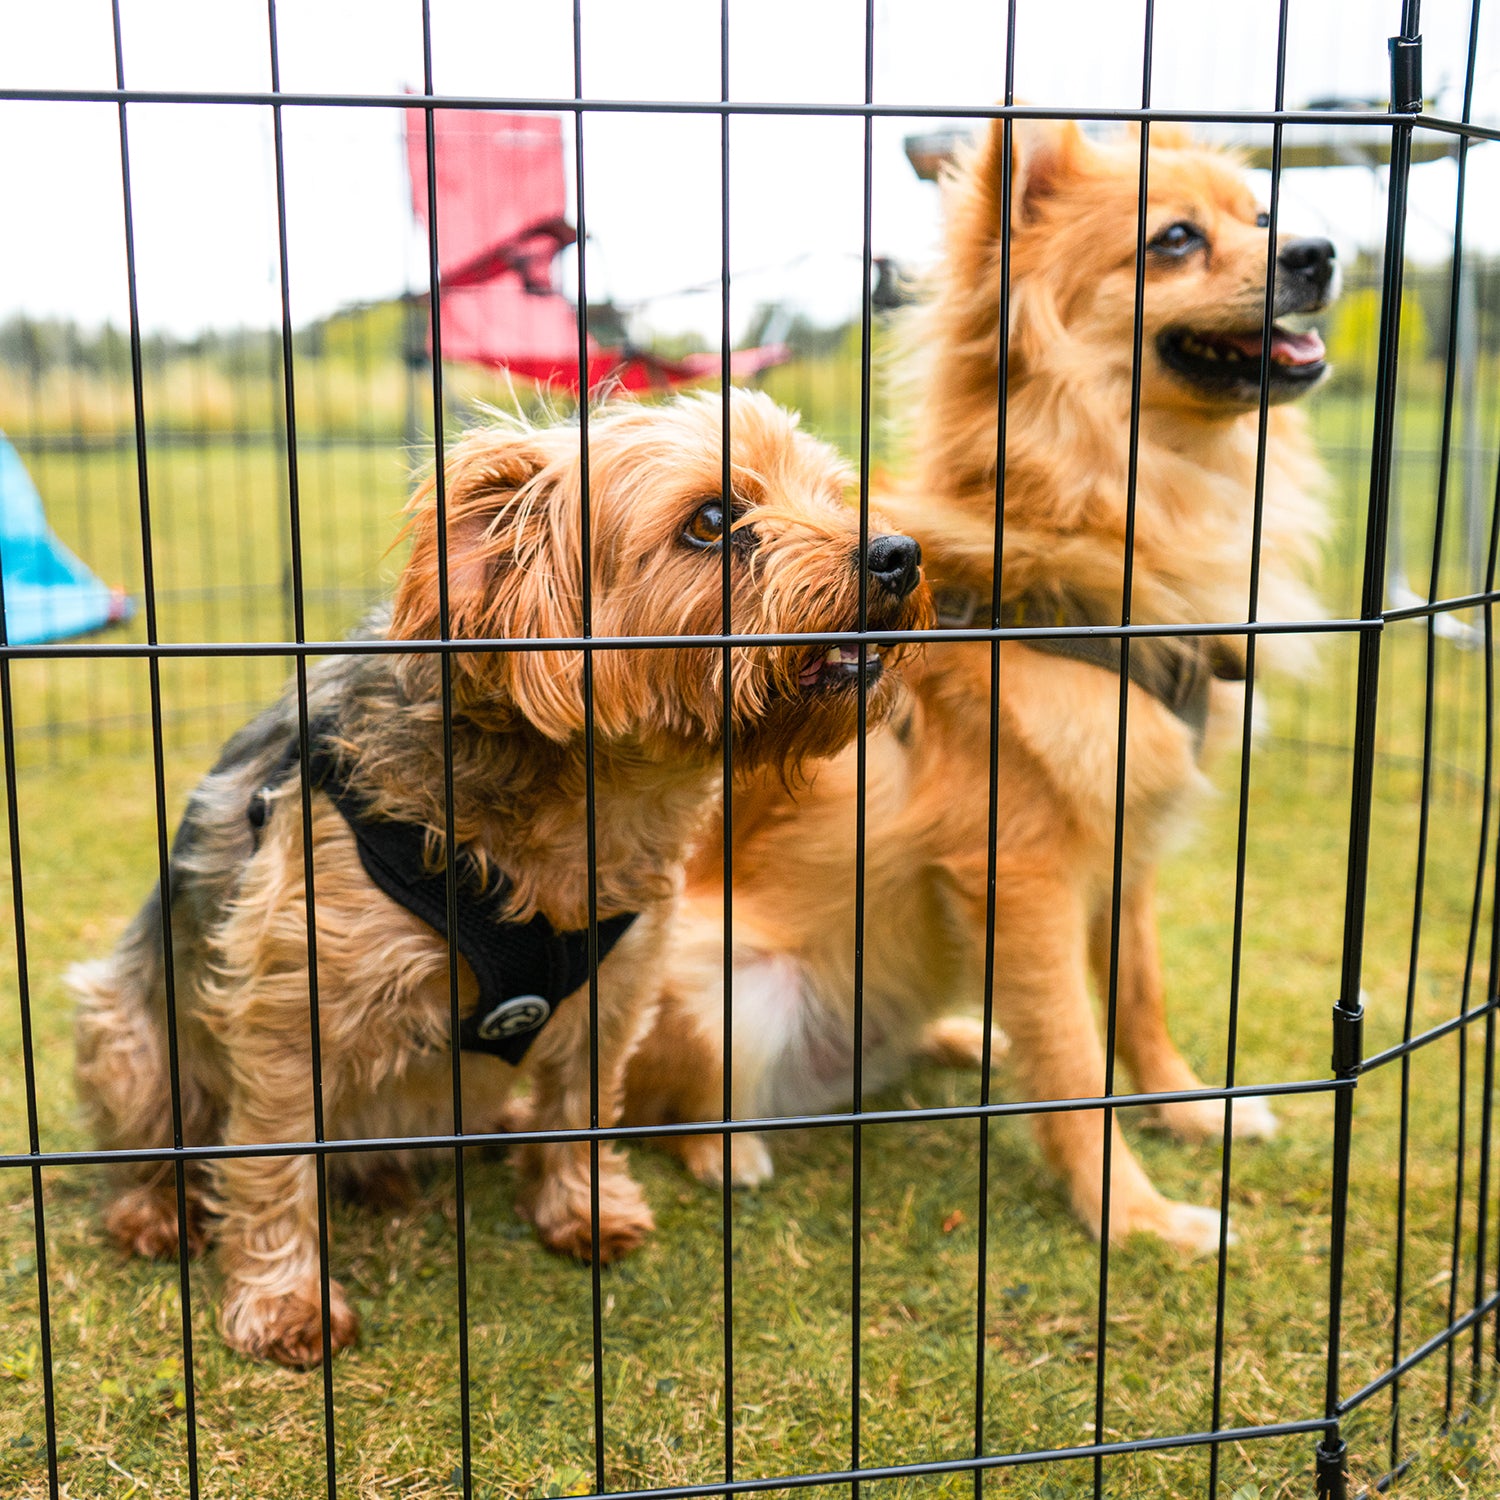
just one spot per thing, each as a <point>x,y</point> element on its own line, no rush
<point>216,837</point>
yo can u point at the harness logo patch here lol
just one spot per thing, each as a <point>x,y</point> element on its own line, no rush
<point>512,1017</point>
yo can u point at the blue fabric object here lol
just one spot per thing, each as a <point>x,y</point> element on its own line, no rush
<point>49,594</point>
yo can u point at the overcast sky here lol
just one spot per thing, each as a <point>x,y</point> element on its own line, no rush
<point>203,175</point>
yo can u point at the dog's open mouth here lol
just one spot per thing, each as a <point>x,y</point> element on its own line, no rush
<point>833,667</point>
<point>1223,361</point>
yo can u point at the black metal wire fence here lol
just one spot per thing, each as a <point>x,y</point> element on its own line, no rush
<point>1407,704</point>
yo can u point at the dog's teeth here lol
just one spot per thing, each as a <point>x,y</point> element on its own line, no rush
<point>835,653</point>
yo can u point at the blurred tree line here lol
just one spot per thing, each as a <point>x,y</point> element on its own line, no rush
<point>36,346</point>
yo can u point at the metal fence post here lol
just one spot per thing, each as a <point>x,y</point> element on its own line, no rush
<point>1348,1012</point>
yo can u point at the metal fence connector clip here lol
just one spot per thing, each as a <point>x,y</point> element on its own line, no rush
<point>1348,1040</point>
<point>1332,1471</point>
<point>1406,64</point>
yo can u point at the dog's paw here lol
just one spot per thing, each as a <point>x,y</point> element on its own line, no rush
<point>1254,1120</point>
<point>622,1228</point>
<point>749,1160</point>
<point>958,1042</point>
<point>563,1219</point>
<point>287,1327</point>
<point>1203,1120</point>
<point>143,1221</point>
<point>1182,1225</point>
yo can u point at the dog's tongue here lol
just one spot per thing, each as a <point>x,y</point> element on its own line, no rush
<point>1287,348</point>
<point>1296,348</point>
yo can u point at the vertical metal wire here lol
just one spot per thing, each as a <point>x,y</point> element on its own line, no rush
<point>1348,1010</point>
<point>1462,1097</point>
<point>861,767</point>
<point>992,833</point>
<point>445,689</point>
<point>163,859</point>
<point>1247,732</point>
<point>241,417</point>
<point>1450,379</point>
<point>1461,1102</point>
<point>726,669</point>
<point>294,517</point>
<point>37,368</point>
<point>84,496</point>
<point>28,1054</point>
<point>1492,988</point>
<point>591,828</point>
<point>1492,981</point>
<point>290,603</point>
<point>1121,742</point>
<point>208,536</point>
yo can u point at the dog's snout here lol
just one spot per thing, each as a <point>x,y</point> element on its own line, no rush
<point>896,561</point>
<point>1311,260</point>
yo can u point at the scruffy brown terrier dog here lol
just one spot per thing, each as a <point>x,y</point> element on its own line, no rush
<point>1073,267</point>
<point>659,523</point>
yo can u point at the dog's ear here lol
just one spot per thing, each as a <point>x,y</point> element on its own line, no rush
<point>514,556</point>
<point>1043,153</point>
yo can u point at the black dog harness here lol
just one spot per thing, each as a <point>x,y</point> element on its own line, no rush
<point>524,969</point>
<point>1178,671</point>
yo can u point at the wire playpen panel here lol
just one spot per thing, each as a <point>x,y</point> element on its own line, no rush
<point>904,1305</point>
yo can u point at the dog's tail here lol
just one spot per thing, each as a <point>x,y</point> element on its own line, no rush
<point>120,1062</point>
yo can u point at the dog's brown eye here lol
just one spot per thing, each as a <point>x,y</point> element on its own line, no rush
<point>706,528</point>
<point>1178,239</point>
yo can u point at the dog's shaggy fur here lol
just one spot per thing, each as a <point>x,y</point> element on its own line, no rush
<point>1073,264</point>
<point>239,902</point>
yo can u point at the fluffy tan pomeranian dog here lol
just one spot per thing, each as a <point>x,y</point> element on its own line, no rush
<point>239,896</point>
<point>1065,494</point>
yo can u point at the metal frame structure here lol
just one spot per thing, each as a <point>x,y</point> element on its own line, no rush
<point>1473,1020</point>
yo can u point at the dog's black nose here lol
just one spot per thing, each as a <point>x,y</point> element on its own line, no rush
<point>896,561</point>
<point>1312,260</point>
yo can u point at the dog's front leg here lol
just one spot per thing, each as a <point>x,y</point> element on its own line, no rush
<point>1144,1043</point>
<point>270,1232</point>
<point>556,1193</point>
<point>1042,997</point>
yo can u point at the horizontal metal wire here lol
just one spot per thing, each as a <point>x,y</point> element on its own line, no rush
<point>714,107</point>
<point>937,1113</point>
<point>1420,1353</point>
<point>973,1465</point>
<point>571,104</point>
<point>380,647</point>
<point>1436,1033</point>
<point>1441,606</point>
<point>1374,118</point>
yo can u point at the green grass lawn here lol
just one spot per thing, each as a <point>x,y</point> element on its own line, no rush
<point>88,846</point>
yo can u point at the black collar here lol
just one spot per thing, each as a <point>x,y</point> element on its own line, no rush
<point>1178,671</point>
<point>525,969</point>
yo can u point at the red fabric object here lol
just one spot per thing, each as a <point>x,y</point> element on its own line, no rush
<point>502,200</point>
<point>498,177</point>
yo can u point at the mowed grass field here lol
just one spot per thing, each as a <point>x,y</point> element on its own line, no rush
<point>88,840</point>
